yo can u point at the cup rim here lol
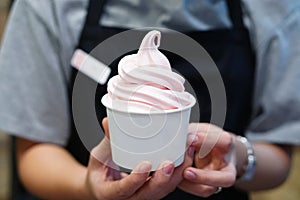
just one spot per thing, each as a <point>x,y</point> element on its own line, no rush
<point>104,101</point>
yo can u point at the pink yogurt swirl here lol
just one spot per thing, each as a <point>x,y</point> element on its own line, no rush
<point>146,81</point>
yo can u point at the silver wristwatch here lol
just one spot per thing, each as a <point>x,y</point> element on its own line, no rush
<point>250,166</point>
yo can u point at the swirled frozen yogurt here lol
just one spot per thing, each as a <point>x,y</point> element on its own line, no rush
<point>146,82</point>
<point>147,108</point>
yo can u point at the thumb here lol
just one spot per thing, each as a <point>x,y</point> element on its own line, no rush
<point>105,127</point>
<point>102,152</point>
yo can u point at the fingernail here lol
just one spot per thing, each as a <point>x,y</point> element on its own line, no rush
<point>143,167</point>
<point>168,168</point>
<point>191,151</point>
<point>189,174</point>
<point>192,138</point>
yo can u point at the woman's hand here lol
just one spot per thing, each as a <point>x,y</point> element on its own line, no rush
<point>104,181</point>
<point>215,161</point>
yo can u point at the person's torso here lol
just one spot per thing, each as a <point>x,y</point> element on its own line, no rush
<point>230,49</point>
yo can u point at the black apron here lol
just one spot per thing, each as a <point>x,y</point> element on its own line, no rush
<point>230,50</point>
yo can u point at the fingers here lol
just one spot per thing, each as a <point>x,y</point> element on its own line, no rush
<point>192,138</point>
<point>102,152</point>
<point>197,189</point>
<point>136,185</point>
<point>206,182</point>
<point>224,177</point>
<point>112,174</point>
<point>177,175</point>
<point>105,127</point>
<point>209,137</point>
<point>188,161</point>
<point>165,179</point>
<point>202,163</point>
<point>159,184</point>
<point>127,186</point>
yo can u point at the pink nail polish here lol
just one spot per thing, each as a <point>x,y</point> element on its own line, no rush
<point>168,169</point>
<point>192,138</point>
<point>189,174</point>
<point>191,151</point>
<point>143,167</point>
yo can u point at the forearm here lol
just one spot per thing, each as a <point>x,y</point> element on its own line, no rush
<point>272,166</point>
<point>49,171</point>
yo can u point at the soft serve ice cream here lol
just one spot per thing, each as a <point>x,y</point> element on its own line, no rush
<point>146,82</point>
<point>147,108</point>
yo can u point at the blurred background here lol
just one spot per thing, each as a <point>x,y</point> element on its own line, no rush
<point>289,190</point>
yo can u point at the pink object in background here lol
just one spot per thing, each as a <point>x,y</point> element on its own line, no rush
<point>90,66</point>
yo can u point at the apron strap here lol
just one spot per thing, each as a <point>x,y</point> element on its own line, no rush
<point>235,13</point>
<point>95,11</point>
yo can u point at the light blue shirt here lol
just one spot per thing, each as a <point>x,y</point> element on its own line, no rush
<point>181,15</point>
<point>41,36</point>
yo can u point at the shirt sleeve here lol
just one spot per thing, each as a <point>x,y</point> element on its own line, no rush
<point>276,116</point>
<point>34,96</point>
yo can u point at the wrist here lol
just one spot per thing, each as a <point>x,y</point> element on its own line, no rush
<point>83,188</point>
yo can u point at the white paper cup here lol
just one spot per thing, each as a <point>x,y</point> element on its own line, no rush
<point>153,137</point>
